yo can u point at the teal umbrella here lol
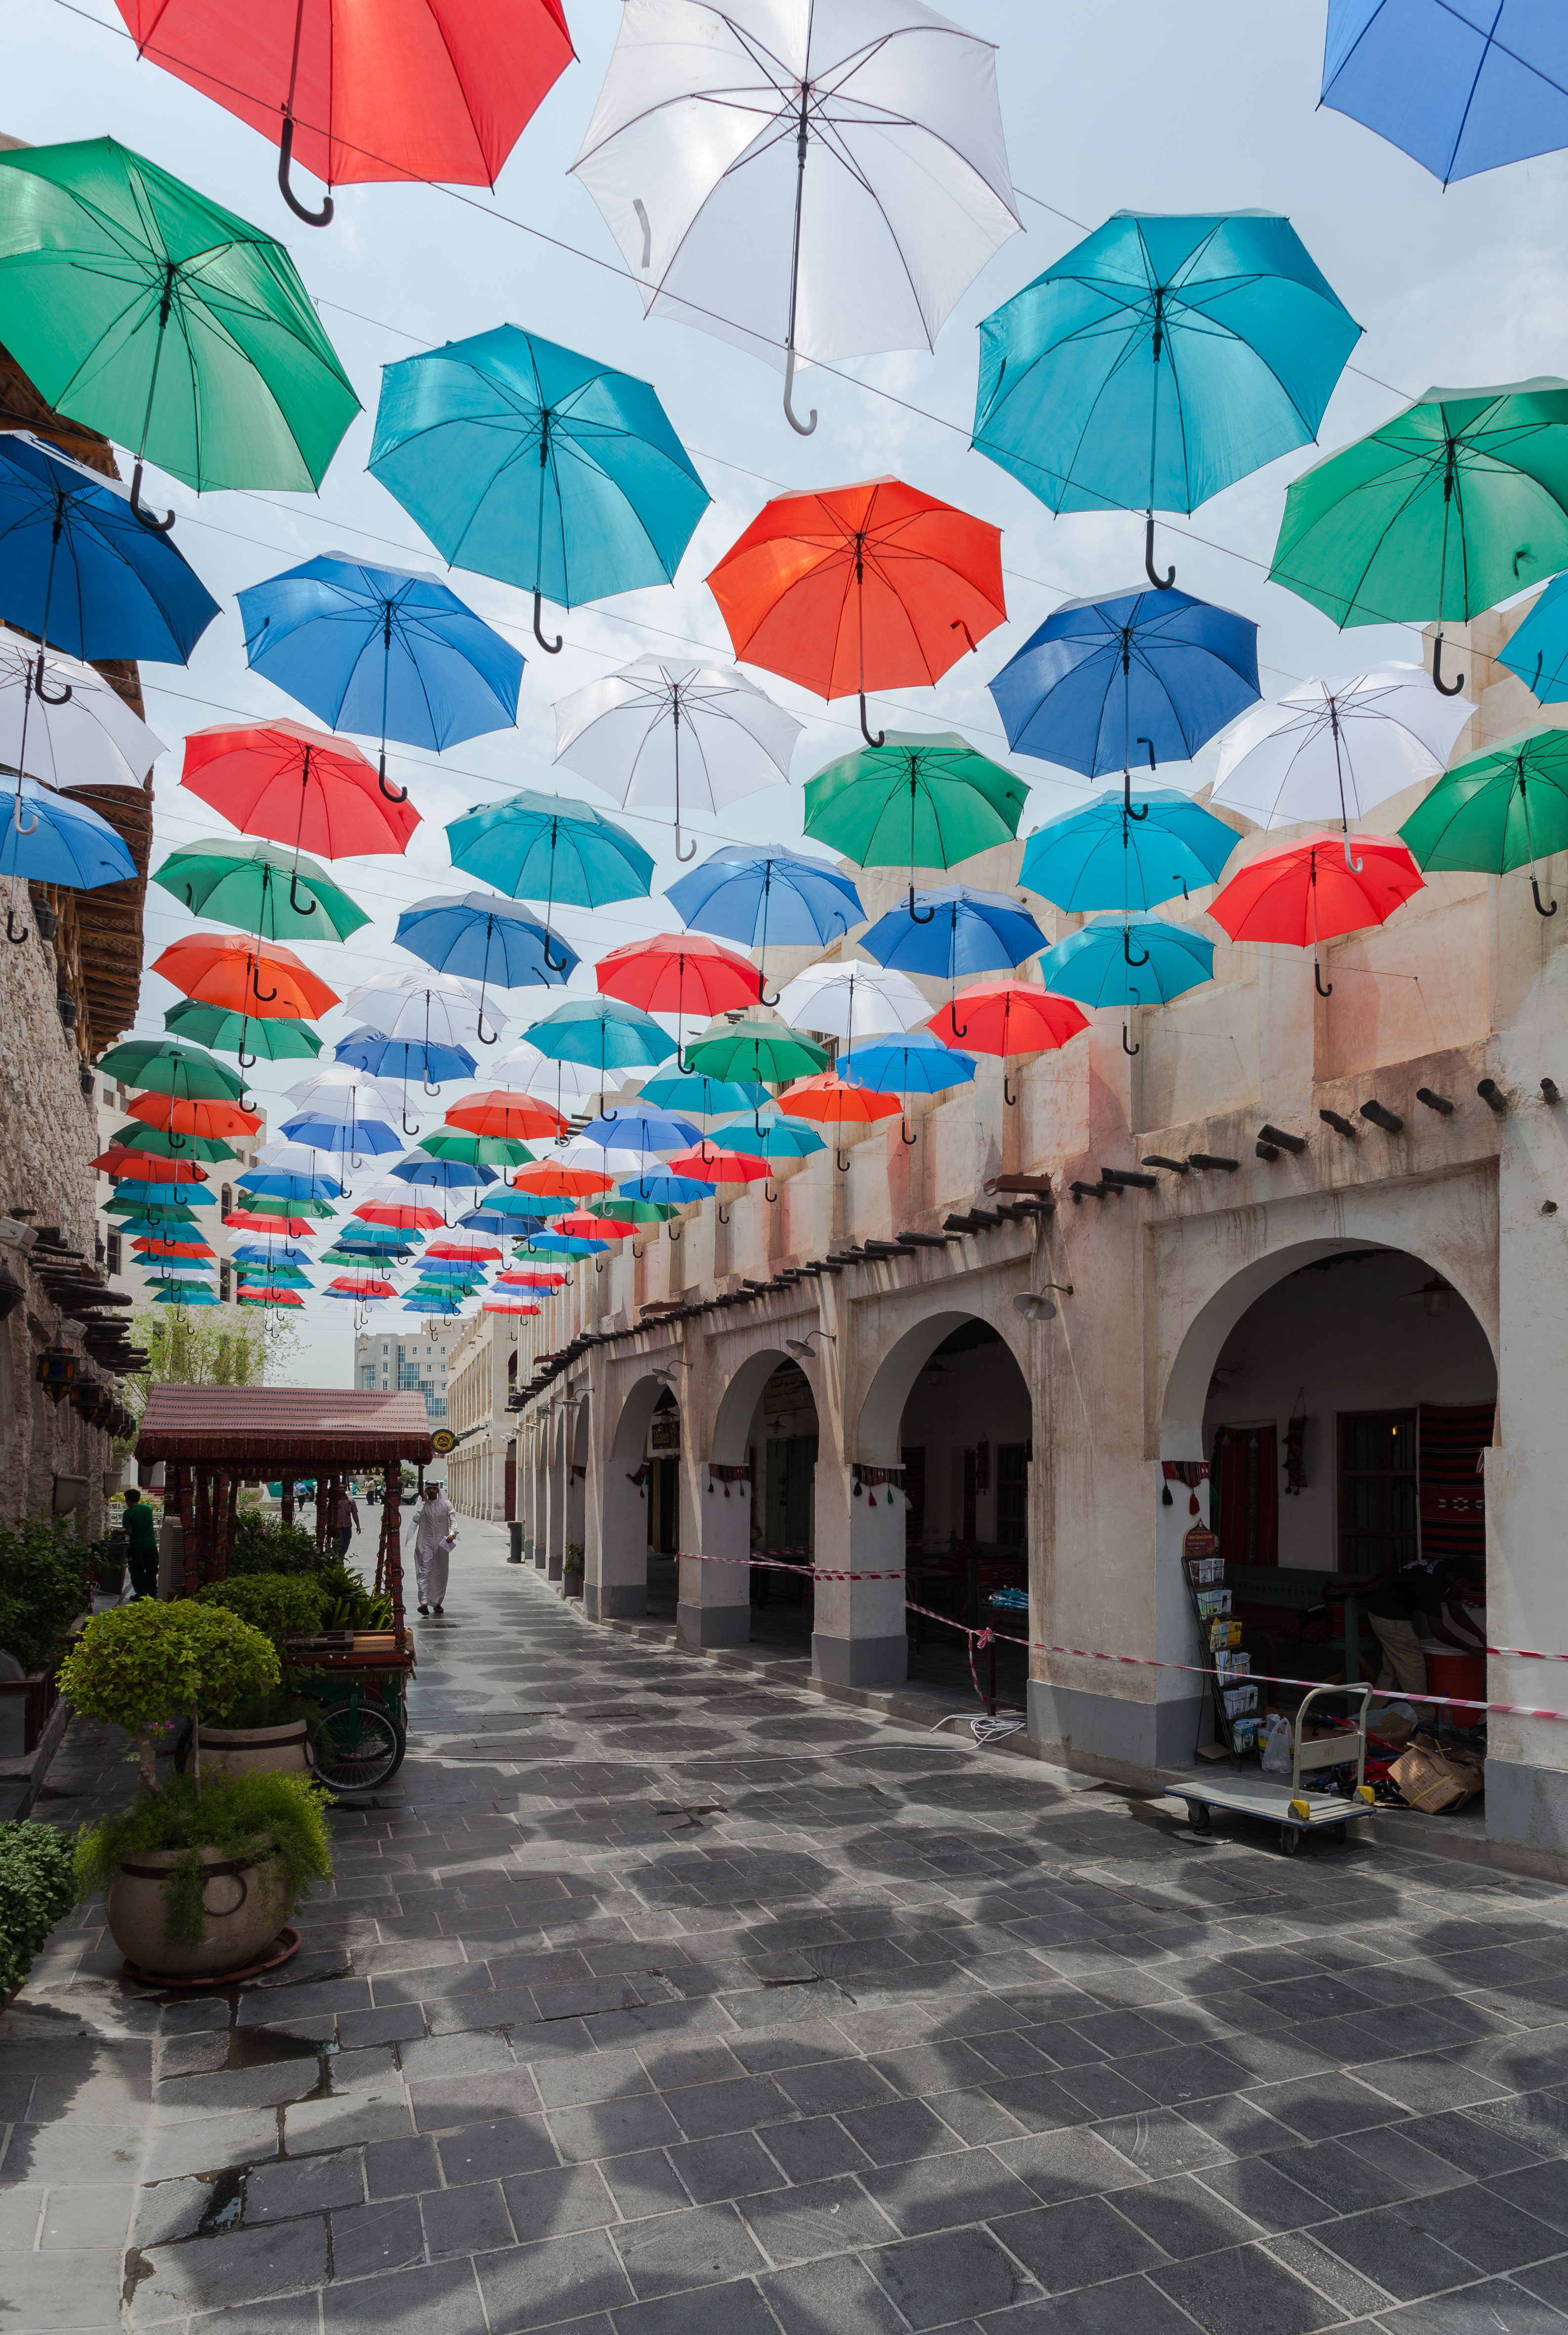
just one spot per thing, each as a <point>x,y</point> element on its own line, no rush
<point>549,847</point>
<point>1133,962</point>
<point>1127,854</point>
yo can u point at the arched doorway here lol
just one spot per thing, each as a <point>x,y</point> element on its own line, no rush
<point>756,1493</point>
<point>622,1521</point>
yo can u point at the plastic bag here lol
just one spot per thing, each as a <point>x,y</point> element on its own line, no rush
<point>1277,1747</point>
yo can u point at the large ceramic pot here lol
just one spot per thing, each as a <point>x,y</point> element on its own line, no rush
<point>246,1751</point>
<point>244,1906</point>
<point>571,1585</point>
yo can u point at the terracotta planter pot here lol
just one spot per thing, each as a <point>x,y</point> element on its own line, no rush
<point>244,1906</point>
<point>245,1751</point>
<point>571,1585</point>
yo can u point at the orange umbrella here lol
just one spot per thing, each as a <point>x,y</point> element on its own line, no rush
<point>501,1112</point>
<point>837,1105</point>
<point>178,1117</point>
<point>562,1183</point>
<point>869,586</point>
<point>583,1226</point>
<point>1008,1017</point>
<point>1315,888</point>
<point>264,983</point>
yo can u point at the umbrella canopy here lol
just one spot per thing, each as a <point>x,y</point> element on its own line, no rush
<point>391,93</point>
<point>914,1063</point>
<point>166,1174</point>
<point>49,838</point>
<point>554,1243</point>
<point>163,1145</point>
<point>141,308</point>
<point>599,1031</point>
<point>547,1182</point>
<point>711,1164</point>
<point>178,1115</point>
<point>755,892</point>
<point>244,977</point>
<point>1332,749</point>
<point>486,938</point>
<point>629,1213</point>
<point>582,1226</point>
<point>835,1102</point>
<point>298,786</point>
<point>502,1112</point>
<point>1105,682</point>
<point>507,1305</point>
<point>1310,891</point>
<point>381,651</point>
<point>526,1071</point>
<point>445,1175</point>
<point>762,1051</point>
<point>454,1248</point>
<point>336,1083</point>
<point>265,1218</point>
<point>1159,359</point>
<point>702,1096</point>
<point>553,848</point>
<point>358,1136</point>
<point>659,1188</point>
<point>1453,505</point>
<point>870,586</point>
<point>1507,807</point>
<point>1538,651</point>
<point>232,1033</point>
<point>925,799</point>
<point>190,1293</point>
<point>637,733</point>
<point>278,1253</point>
<point>641,1131</point>
<point>422,1008</point>
<point>961,930</point>
<point>1113,963</point>
<point>80,731</point>
<point>808,183</point>
<point>1007,1017</point>
<point>150,1247</point>
<point>259,887</point>
<point>402,1216</point>
<point>768,1135</point>
<point>850,1000</point>
<point>265,1293</point>
<point>678,974</point>
<point>167,1066</point>
<point>527,462</point>
<point>573,1168</point>
<point>1458,88</point>
<point>1126,853</point>
<point>428,1059</point>
<point>482,1150</point>
<point>361,1285</point>
<point>78,567</point>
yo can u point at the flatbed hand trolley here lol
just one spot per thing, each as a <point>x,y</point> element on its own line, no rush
<point>1296,1810</point>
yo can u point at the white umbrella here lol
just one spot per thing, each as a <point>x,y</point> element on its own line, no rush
<point>421,1007</point>
<point>573,1152</point>
<point>88,738</point>
<point>809,183</point>
<point>850,1000</point>
<point>640,733</point>
<point>1333,749</point>
<point>523,1069</point>
<point>332,1084</point>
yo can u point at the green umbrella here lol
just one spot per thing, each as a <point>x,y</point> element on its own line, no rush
<point>234,1033</point>
<point>632,1212</point>
<point>763,1052</point>
<point>141,308</point>
<point>270,1204</point>
<point>925,797</point>
<point>163,1212</point>
<point>256,886</point>
<point>166,1145</point>
<point>475,1150</point>
<point>1507,807</point>
<point>163,1066</point>
<point>1452,506</point>
<point>279,1277</point>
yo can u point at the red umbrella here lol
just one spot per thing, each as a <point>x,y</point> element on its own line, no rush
<point>679,974</point>
<point>469,1250</point>
<point>583,1226</point>
<point>502,1112</point>
<point>1007,1017</point>
<point>870,586</point>
<point>1314,889</point>
<point>258,1294</point>
<point>173,1248</point>
<point>401,1217</point>
<point>408,88</point>
<point>244,977</point>
<point>517,1276</point>
<point>718,1168</point>
<point>509,1306</point>
<point>297,785</point>
<point>121,1162</point>
<point>241,1220</point>
<point>178,1117</point>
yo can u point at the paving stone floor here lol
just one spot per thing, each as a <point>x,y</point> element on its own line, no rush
<point>654,1999</point>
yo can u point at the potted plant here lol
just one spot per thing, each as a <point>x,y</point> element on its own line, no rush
<point>572,1570</point>
<point>198,1881</point>
<point>37,1889</point>
<point>45,1590</point>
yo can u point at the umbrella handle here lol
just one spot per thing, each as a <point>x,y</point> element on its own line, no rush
<point>675,1235</point>
<point>952,1020</point>
<point>839,1161</point>
<point>16,938</point>
<point>762,996</point>
<point>903,1134</point>
<point>246,1062</point>
<point>495,1038</point>
<point>1127,785</point>
<point>804,428</point>
<point>1128,1051</point>
<point>393,794</point>
<point>1161,582</point>
<point>637,1252</point>
<point>550,965</point>
<point>1007,1094</point>
<point>772,1198</point>
<point>150,519</point>
<point>881,737</point>
<point>551,648</point>
<point>1318,981</point>
<point>1445,688</point>
<point>1540,911</point>
<point>719,1212</point>
<point>685,854</point>
<point>1355,865</point>
<point>1126,948</point>
<point>322,218</point>
<point>407,1129</point>
<point>263,996</point>
<point>301,908</point>
<point>42,694</point>
<point>915,916</point>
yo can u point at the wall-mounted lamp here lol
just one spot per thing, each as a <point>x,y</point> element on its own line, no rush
<point>1434,1296</point>
<point>802,1346</point>
<point>1036,1306</point>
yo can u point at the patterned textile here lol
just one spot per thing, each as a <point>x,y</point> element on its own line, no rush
<point>1452,1437</point>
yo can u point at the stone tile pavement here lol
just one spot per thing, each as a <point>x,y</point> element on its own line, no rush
<point>652,1998</point>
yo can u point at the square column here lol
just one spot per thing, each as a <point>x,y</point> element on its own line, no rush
<point>555,1532</point>
<point>860,1637</point>
<point>715,1607</point>
<point>615,1574</point>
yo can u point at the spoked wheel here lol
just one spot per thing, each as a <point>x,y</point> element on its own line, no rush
<point>1199,1816</point>
<point>357,1747</point>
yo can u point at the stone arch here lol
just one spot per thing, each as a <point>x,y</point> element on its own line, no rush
<point>876,1436</point>
<point>738,1404</point>
<point>637,1408</point>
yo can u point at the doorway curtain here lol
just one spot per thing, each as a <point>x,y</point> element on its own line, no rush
<point>1246,1501</point>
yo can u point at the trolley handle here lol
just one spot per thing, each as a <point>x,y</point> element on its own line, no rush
<point>1334,1753</point>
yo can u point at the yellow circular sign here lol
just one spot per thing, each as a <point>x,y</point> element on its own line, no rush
<point>444,1438</point>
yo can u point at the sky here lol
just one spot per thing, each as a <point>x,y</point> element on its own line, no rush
<point>1150,107</point>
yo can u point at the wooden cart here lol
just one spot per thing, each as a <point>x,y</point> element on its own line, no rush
<point>363,1682</point>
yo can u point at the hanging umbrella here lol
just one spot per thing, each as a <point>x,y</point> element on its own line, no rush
<point>354,1138</point>
<point>148,1246</point>
<point>1459,89</point>
<point>481,1150</point>
<point>169,1068</point>
<point>869,586</point>
<point>1506,807</point>
<point>278,1184</point>
<point>575,1172</point>
<point>527,462</point>
<point>81,732</point>
<point>279,1252</point>
<point>59,841</point>
<point>1308,892</point>
<point>445,1175</point>
<point>1113,961</point>
<point>641,1132</point>
<point>762,1051</point>
<point>700,1095</point>
<point>486,938</point>
<point>834,1103</point>
<point>363,1286</point>
<point>177,1114</point>
<point>1006,1018</point>
<point>1453,505</point>
<point>633,1213</point>
<point>428,1008</point>
<point>299,787</point>
<point>914,1063</point>
<point>678,974</point>
<point>926,799</point>
<point>501,1112</point>
<point>264,1218</point>
<point>402,1216</point>
<point>163,1146</point>
<point>1105,682</point>
<point>186,1292</point>
<point>256,886</point>
<point>1127,852</point>
<point>381,651</point>
<point>337,1082</point>
<point>627,734</point>
<point>808,183</point>
<point>1332,749</point>
<point>259,981</point>
<point>215,1026</point>
<point>969,932</point>
<point>773,1136</point>
<point>525,1070</point>
<point>554,1243</point>
<point>850,1000</point>
<point>589,1030</point>
<point>267,1293</point>
<point>602,1231</point>
<point>454,1248</point>
<point>1538,651</point>
<point>163,1173</point>
<point>141,308</point>
<point>428,1059</point>
<point>551,845</point>
<point>1159,359</point>
<point>506,1305</point>
<point>717,1166</point>
<point>660,1188</point>
<point>751,892</point>
<point>532,1277</point>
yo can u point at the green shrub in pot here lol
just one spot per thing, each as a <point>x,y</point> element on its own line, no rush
<point>272,1825</point>
<point>140,1666</point>
<point>279,1604</point>
<point>45,1581</point>
<point>37,1889</point>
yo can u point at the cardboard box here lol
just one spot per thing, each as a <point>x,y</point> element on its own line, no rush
<point>1431,1781</point>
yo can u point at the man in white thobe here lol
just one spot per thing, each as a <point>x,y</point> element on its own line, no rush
<point>435,1530</point>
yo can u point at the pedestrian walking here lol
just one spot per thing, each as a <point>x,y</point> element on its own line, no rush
<point>141,1533</point>
<point>343,1520</point>
<point>435,1531</point>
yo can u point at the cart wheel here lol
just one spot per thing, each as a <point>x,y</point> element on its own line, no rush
<point>357,1747</point>
<point>1199,1816</point>
<point>1290,1839</point>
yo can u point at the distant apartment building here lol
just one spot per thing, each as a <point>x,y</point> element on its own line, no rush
<point>407,1362</point>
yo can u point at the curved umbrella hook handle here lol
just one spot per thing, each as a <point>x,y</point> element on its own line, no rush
<point>550,965</point>
<point>1008,1096</point>
<point>43,697</point>
<point>683,856</point>
<point>769,1195</point>
<point>803,428</point>
<point>175,1142</point>
<point>915,916</point>
<point>322,218</point>
<point>903,1134</point>
<point>1445,688</point>
<point>13,934</point>
<point>762,996</point>
<point>149,518</point>
<point>263,996</point>
<point>1318,981</point>
<point>1540,911</point>
<point>719,1212</point>
<point>1127,785</point>
<point>551,648</point>
<point>675,1235</point>
<point>881,737</point>
<point>1126,1048</point>
<point>1355,865</point>
<point>1161,582</point>
<point>393,794</point>
<point>248,1063</point>
<point>301,908</point>
<point>410,1127</point>
<point>953,1019</point>
<point>1126,948</point>
<point>839,1161</point>
<point>493,1040</point>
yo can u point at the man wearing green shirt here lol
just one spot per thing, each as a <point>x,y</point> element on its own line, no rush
<point>141,1532</point>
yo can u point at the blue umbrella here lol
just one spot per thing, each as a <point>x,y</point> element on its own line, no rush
<point>481,932</point>
<point>1155,671</point>
<point>426,1060</point>
<point>553,846</point>
<point>186,1294</point>
<point>705,1098</point>
<point>756,892</point>
<point>264,1253</point>
<point>670,1191</point>
<point>348,1136</point>
<point>566,1244</point>
<point>382,651</point>
<point>51,839</point>
<point>912,1062</point>
<point>1097,857</point>
<point>447,1175</point>
<point>1158,360</point>
<point>590,1029</point>
<point>969,932</point>
<point>770,1135</point>
<point>278,1184</point>
<point>79,569</point>
<point>1538,652</point>
<point>1460,89</point>
<point>525,461</point>
<point>1115,963</point>
<point>635,1129</point>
